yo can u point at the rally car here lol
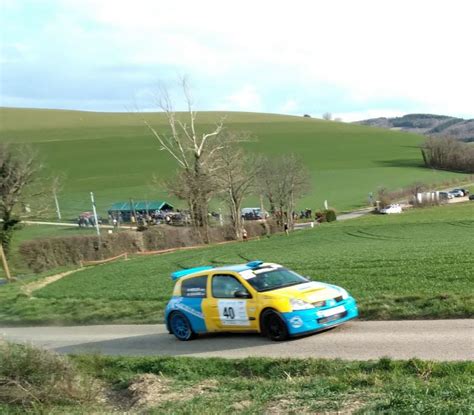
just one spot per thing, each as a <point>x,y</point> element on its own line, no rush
<point>255,297</point>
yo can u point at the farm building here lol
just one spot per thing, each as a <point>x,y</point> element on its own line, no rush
<point>125,210</point>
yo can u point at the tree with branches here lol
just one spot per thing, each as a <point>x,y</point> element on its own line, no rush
<point>283,181</point>
<point>236,176</point>
<point>18,170</point>
<point>196,153</point>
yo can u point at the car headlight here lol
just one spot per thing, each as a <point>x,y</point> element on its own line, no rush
<point>344,293</point>
<point>297,304</point>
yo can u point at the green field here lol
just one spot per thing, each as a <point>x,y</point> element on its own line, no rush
<point>114,155</point>
<point>416,265</point>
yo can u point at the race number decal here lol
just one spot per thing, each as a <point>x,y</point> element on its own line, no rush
<point>233,312</point>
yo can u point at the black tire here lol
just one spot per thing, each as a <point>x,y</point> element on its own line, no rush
<point>273,326</point>
<point>180,326</point>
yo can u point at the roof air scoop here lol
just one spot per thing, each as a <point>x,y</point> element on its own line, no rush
<point>254,264</point>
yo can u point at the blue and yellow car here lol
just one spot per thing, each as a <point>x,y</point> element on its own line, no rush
<point>255,297</point>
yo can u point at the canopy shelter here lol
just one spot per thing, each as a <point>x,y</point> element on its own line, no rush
<point>124,210</point>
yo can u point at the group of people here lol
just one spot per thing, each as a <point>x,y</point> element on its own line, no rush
<point>306,214</point>
<point>147,218</point>
<point>87,219</point>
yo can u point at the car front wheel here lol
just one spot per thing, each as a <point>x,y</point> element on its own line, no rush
<point>180,326</point>
<point>273,326</point>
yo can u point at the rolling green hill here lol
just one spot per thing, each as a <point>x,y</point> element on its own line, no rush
<point>114,155</point>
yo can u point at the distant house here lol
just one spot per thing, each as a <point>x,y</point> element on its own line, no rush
<point>125,210</point>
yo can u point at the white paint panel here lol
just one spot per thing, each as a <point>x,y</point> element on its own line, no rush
<point>233,312</point>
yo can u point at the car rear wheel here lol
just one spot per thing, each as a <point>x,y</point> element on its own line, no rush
<point>181,327</point>
<point>274,327</point>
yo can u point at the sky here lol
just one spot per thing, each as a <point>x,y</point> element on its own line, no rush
<point>354,59</point>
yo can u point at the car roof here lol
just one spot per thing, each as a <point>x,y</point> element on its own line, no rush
<point>234,268</point>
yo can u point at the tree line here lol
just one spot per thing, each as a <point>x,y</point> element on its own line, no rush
<point>448,153</point>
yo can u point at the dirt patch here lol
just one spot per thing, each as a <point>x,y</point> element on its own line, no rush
<point>290,405</point>
<point>28,289</point>
<point>241,406</point>
<point>149,390</point>
<point>285,406</point>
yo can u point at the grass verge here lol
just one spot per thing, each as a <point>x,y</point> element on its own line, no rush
<point>180,385</point>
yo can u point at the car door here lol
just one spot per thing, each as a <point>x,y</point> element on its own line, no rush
<point>226,311</point>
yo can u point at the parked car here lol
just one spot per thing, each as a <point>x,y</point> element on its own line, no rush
<point>254,213</point>
<point>395,208</point>
<point>464,192</point>
<point>257,297</point>
<point>446,195</point>
<point>457,193</point>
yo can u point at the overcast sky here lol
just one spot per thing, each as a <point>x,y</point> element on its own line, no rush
<point>355,59</point>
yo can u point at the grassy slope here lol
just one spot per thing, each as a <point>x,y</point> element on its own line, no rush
<point>115,156</point>
<point>415,265</point>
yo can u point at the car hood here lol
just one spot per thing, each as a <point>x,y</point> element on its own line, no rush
<point>310,292</point>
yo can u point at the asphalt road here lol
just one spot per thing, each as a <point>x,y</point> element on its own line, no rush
<point>357,340</point>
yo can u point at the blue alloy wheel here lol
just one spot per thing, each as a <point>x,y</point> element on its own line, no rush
<point>180,326</point>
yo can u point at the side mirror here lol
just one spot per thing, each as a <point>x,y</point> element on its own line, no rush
<point>242,294</point>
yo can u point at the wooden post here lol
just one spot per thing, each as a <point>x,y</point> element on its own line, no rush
<point>5,264</point>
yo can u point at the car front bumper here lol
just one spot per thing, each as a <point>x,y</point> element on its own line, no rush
<point>316,319</point>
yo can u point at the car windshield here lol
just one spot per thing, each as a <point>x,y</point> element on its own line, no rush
<point>275,279</point>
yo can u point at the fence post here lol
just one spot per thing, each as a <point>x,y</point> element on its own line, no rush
<point>5,264</point>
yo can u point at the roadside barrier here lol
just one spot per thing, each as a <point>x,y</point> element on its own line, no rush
<point>185,248</point>
<point>103,261</point>
<point>158,252</point>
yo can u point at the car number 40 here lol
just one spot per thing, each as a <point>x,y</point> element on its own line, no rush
<point>229,313</point>
<point>233,312</point>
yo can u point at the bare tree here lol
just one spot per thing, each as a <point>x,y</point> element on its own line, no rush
<point>283,181</point>
<point>266,181</point>
<point>195,153</point>
<point>236,177</point>
<point>327,116</point>
<point>18,169</point>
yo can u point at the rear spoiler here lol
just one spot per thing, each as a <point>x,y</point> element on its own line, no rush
<point>182,273</point>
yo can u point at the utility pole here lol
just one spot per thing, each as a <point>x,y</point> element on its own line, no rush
<point>95,215</point>
<point>5,264</point>
<point>58,212</point>
<point>133,218</point>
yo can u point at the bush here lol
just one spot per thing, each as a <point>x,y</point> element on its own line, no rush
<point>30,376</point>
<point>328,215</point>
<point>165,237</point>
<point>47,253</point>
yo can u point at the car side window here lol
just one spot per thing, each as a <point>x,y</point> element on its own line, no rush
<point>195,287</point>
<point>225,286</point>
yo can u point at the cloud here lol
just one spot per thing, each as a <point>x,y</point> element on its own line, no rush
<point>245,99</point>
<point>289,107</point>
<point>339,56</point>
<point>367,114</point>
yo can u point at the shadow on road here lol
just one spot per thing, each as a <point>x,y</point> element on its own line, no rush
<point>166,344</point>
